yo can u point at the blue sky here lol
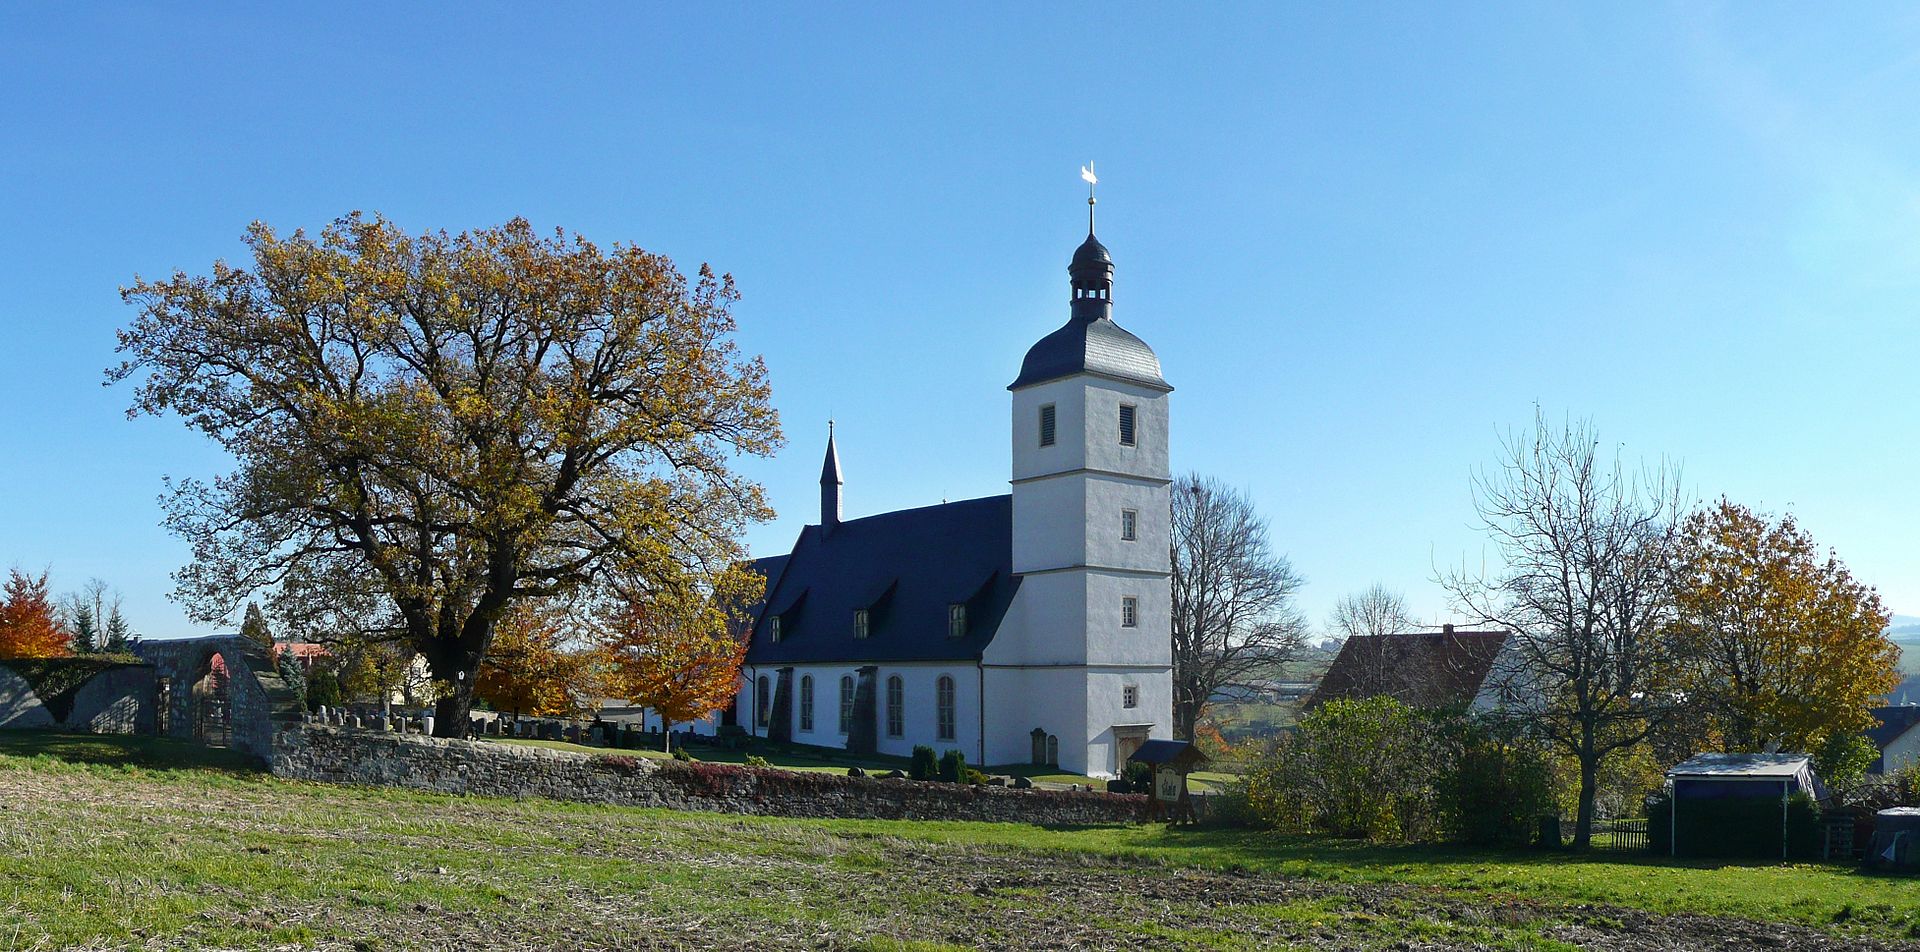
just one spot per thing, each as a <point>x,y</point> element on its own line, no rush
<point>1364,239</point>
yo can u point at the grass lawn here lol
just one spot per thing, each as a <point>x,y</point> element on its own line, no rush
<point>123,843</point>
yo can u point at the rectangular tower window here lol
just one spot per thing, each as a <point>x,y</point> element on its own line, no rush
<point>860,623</point>
<point>1046,425</point>
<point>1129,525</point>
<point>1126,424</point>
<point>1129,611</point>
<point>957,621</point>
<point>1130,696</point>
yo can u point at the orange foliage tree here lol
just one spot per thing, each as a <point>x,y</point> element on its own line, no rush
<point>29,623</point>
<point>679,652</point>
<point>532,669</point>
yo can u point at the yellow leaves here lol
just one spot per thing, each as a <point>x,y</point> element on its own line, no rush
<point>1784,647</point>
<point>532,669</point>
<point>678,648</point>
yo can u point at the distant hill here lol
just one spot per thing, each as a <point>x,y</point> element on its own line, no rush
<point>1904,628</point>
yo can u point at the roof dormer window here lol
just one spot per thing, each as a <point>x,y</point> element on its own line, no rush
<point>860,629</point>
<point>957,620</point>
<point>773,629</point>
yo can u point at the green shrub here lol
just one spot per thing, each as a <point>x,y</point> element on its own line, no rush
<point>921,767</point>
<point>975,776</point>
<point>680,754</point>
<point>953,766</point>
<point>755,760</point>
<point>1491,785</point>
<point>1360,769</point>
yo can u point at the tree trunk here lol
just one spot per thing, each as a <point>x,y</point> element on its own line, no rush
<point>1589,783</point>
<point>452,714</point>
<point>1186,714</point>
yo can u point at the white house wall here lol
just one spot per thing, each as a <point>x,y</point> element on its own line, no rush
<point>1903,752</point>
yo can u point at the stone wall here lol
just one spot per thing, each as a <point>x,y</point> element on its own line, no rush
<point>94,696</point>
<point>485,768</point>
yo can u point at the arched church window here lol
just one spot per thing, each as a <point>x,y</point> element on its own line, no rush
<point>806,702</point>
<point>896,701</point>
<point>943,703</point>
<point>846,704</point>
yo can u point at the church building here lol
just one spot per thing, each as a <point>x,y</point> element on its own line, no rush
<point>1027,628</point>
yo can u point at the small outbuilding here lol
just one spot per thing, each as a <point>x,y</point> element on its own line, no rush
<point>1740,804</point>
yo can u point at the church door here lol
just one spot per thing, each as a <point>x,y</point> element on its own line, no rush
<point>1126,740</point>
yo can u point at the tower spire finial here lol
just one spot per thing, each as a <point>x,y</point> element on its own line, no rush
<point>1086,175</point>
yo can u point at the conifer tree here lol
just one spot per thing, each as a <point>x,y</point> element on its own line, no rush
<point>117,636</point>
<point>291,674</point>
<point>254,625</point>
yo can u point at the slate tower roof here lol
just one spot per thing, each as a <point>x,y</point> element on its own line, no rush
<point>1090,342</point>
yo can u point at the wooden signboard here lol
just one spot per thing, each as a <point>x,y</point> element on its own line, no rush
<point>1169,784</point>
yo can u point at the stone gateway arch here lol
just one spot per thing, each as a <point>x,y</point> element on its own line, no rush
<point>245,705</point>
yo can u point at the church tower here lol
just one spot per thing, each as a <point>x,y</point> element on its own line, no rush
<point>1090,656</point>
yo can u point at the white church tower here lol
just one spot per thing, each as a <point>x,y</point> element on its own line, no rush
<point>1086,654</point>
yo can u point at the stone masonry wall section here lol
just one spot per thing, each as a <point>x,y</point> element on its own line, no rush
<point>486,768</point>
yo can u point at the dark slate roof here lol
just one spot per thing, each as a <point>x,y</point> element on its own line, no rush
<point>1443,669</point>
<point>1894,721</point>
<point>1091,345</point>
<point>904,568</point>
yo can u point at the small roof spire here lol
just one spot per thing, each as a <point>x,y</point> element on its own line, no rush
<point>830,470</point>
<point>830,483</point>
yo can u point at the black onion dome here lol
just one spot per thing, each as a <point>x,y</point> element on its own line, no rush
<point>1091,251</point>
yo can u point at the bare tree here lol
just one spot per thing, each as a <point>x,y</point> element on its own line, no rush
<point>85,614</point>
<point>1233,613</point>
<point>1379,665</point>
<point>1584,591</point>
<point>1375,610</point>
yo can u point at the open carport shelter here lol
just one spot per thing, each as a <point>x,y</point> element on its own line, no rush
<point>1736,804</point>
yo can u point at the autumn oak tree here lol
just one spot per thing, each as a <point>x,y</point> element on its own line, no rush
<point>1785,649</point>
<point>446,425</point>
